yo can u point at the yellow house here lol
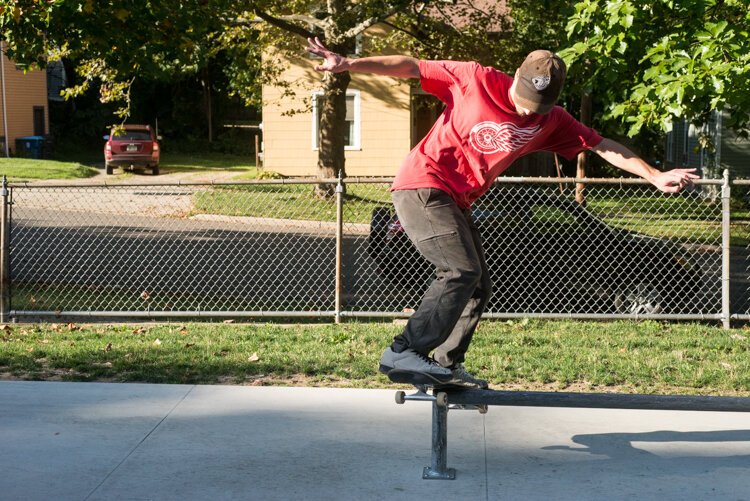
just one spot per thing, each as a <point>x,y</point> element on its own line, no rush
<point>23,103</point>
<point>379,113</point>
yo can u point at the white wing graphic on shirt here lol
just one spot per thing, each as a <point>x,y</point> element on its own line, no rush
<point>491,137</point>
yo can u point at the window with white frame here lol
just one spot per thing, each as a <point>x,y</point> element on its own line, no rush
<point>352,130</point>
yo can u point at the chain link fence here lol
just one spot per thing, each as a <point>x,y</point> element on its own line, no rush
<point>555,248</point>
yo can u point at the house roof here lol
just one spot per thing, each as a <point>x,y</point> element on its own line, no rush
<point>459,13</point>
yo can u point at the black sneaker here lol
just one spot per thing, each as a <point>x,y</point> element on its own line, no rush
<point>464,378</point>
<point>413,362</point>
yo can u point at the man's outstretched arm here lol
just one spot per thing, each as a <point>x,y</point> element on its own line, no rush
<point>391,66</point>
<point>618,155</point>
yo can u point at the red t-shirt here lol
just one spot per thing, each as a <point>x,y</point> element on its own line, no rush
<point>479,135</point>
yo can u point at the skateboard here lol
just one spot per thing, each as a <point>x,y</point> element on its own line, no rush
<point>430,389</point>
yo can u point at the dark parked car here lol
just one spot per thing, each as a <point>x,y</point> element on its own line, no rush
<point>549,254</point>
<point>132,146</point>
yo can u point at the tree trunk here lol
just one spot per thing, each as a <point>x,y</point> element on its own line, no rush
<point>206,81</point>
<point>583,159</point>
<point>331,128</point>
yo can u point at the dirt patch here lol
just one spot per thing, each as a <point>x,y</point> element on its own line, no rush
<point>196,176</point>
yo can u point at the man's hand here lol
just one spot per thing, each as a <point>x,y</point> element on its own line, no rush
<point>674,180</point>
<point>333,62</point>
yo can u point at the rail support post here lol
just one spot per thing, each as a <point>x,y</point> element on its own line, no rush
<point>438,469</point>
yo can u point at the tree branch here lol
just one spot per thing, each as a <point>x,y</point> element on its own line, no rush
<point>285,24</point>
<point>402,30</point>
<point>361,27</point>
<point>415,36</point>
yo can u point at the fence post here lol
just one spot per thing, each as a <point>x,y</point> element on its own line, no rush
<point>339,245</point>
<point>725,248</point>
<point>4,254</point>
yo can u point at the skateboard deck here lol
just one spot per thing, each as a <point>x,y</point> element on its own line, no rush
<point>422,381</point>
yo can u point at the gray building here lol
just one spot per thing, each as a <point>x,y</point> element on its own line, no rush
<point>683,149</point>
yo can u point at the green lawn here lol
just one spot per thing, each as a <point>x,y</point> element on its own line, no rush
<point>292,202</point>
<point>27,169</point>
<point>207,161</point>
<point>646,357</point>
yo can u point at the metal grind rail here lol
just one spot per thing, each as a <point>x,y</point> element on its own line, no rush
<point>479,400</point>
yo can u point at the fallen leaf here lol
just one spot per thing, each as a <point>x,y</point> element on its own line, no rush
<point>145,295</point>
<point>73,327</point>
<point>5,328</point>
<point>739,337</point>
<point>189,345</point>
<point>230,321</point>
<point>139,330</point>
<point>183,330</point>
<point>108,347</point>
<point>253,358</point>
<point>157,342</point>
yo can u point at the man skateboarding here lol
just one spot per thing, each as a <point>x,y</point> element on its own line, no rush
<point>490,120</point>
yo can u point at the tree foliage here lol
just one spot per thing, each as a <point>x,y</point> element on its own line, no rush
<point>113,42</point>
<point>657,61</point>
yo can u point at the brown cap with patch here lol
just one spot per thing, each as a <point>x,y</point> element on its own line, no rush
<point>539,81</point>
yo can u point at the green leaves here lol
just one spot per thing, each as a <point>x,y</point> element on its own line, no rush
<point>663,60</point>
<point>115,40</point>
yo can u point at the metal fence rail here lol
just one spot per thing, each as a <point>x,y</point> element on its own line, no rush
<point>272,248</point>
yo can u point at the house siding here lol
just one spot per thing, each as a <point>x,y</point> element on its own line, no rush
<point>735,153</point>
<point>23,91</point>
<point>385,124</point>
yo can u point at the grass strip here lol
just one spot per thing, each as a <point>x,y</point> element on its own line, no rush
<point>28,169</point>
<point>646,357</point>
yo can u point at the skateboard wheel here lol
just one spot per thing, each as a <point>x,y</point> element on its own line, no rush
<point>400,397</point>
<point>441,399</point>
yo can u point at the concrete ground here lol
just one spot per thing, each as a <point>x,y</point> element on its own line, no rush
<point>96,441</point>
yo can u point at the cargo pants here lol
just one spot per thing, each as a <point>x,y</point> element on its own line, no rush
<point>450,310</point>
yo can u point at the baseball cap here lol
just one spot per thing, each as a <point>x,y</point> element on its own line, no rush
<point>540,80</point>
